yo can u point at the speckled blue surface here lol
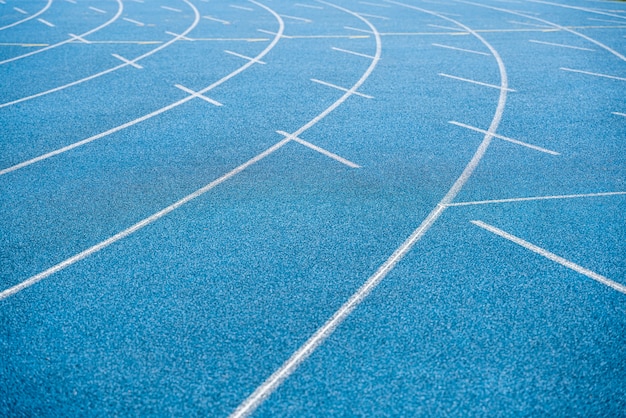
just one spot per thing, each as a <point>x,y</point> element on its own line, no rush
<point>189,314</point>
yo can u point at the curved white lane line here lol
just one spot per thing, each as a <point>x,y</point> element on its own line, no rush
<point>110,70</point>
<point>19,22</point>
<point>584,9</point>
<point>158,215</point>
<point>554,25</point>
<point>120,9</point>
<point>252,402</point>
<point>164,109</point>
<point>279,376</point>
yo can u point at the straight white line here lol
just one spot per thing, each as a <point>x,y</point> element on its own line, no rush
<point>71,1</point>
<point>225,22</point>
<point>300,19</point>
<point>504,138</point>
<point>560,45</point>
<point>445,27</point>
<point>171,9</point>
<point>22,11</point>
<point>45,22</point>
<point>528,24</point>
<point>473,81</point>
<point>308,6</point>
<point>340,88</point>
<point>374,16</point>
<point>577,8</point>
<point>273,33</point>
<point>357,29</point>
<point>374,4</point>
<point>178,36</point>
<point>530,199</point>
<point>606,20</point>
<point>244,57</point>
<point>95,9</point>
<point>198,95</point>
<point>75,38</point>
<point>596,74</point>
<point>461,49</point>
<point>241,8</point>
<point>139,225</point>
<point>26,19</point>
<point>352,52</point>
<point>157,112</point>
<point>133,63</point>
<point>619,114</point>
<point>136,22</point>
<point>551,256</point>
<point>319,149</point>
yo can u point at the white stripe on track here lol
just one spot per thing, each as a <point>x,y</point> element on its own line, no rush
<point>535,198</point>
<point>19,22</point>
<point>553,257</point>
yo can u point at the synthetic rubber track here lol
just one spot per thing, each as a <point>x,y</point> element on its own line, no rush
<point>398,208</point>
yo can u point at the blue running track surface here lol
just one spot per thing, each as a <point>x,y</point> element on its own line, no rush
<point>312,208</point>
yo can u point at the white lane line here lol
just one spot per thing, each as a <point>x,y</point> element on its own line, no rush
<point>480,83</point>
<point>252,402</point>
<point>273,33</point>
<point>594,74</point>
<point>551,256</point>
<point>157,112</point>
<point>352,52</point>
<point>577,8</point>
<point>22,11</point>
<point>73,37</point>
<point>560,45</point>
<point>308,6</point>
<point>127,61</point>
<point>324,83</point>
<point>300,19</point>
<point>528,24</point>
<point>367,3</point>
<point>45,22</point>
<point>374,16</point>
<point>247,9</point>
<point>136,22</point>
<point>139,225</point>
<point>535,198</point>
<point>198,95</point>
<point>554,25</point>
<point>461,49</point>
<point>358,30</point>
<point>95,9</point>
<point>319,149</point>
<point>179,36</point>
<point>214,19</point>
<point>445,27</point>
<point>171,9</point>
<point>26,19</point>
<point>120,8</point>
<point>71,1</point>
<point>606,20</point>
<point>504,138</point>
<point>244,57</point>
<point>619,114</point>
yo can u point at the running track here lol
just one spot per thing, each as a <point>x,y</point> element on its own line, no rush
<point>280,208</point>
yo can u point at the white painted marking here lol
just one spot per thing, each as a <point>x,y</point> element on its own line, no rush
<point>606,20</point>
<point>138,226</point>
<point>357,29</point>
<point>225,22</point>
<point>234,6</point>
<point>158,111</point>
<point>473,81</point>
<point>136,22</point>
<point>595,74</point>
<point>300,19</point>
<point>95,9</point>
<point>529,199</point>
<point>461,49</point>
<point>367,3</point>
<point>273,33</point>
<point>374,16</point>
<point>308,6</point>
<point>352,53</point>
<point>619,114</point>
<point>528,24</point>
<point>171,9</point>
<point>551,256</point>
<point>26,19</point>
<point>22,11</point>
<point>504,138</point>
<point>244,57</point>
<point>319,149</point>
<point>445,27</point>
<point>577,8</point>
<point>71,1</point>
<point>559,45</point>
<point>340,88</point>
<point>178,36</point>
<point>77,38</point>
<point>133,63</point>
<point>198,95</point>
<point>45,22</point>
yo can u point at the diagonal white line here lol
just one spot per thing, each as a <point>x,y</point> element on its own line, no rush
<point>324,83</point>
<point>504,138</point>
<point>134,64</point>
<point>136,22</point>
<point>535,198</point>
<point>214,19</point>
<point>79,38</point>
<point>353,53</point>
<point>461,49</point>
<point>619,114</point>
<point>320,150</point>
<point>244,57</point>
<point>595,74</point>
<point>480,83</point>
<point>561,45</point>
<point>551,256</point>
<point>198,95</point>
<point>300,19</point>
<point>45,22</point>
